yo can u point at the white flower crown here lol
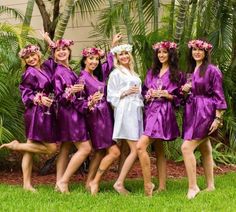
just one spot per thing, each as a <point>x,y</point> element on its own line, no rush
<point>121,48</point>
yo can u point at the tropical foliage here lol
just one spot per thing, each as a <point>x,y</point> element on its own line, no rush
<point>144,22</point>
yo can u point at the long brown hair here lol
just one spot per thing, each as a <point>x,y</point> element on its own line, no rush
<point>172,62</point>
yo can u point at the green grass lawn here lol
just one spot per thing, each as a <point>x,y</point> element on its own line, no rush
<point>13,198</point>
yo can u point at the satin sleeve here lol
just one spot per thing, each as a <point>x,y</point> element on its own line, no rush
<point>218,93</point>
<point>107,66</point>
<point>114,89</point>
<point>28,88</point>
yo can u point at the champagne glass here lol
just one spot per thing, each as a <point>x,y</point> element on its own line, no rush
<point>133,84</point>
<point>189,78</point>
<point>100,91</point>
<point>159,84</point>
<point>81,82</point>
<point>50,96</point>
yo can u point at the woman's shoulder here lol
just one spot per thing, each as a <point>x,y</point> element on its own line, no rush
<point>214,70</point>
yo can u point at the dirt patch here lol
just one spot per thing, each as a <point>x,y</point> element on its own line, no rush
<point>11,174</point>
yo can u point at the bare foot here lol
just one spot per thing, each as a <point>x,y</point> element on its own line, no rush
<point>120,189</point>
<point>93,188</point>
<point>159,190</point>
<point>62,188</point>
<point>192,193</point>
<point>209,189</point>
<point>148,189</point>
<point>29,188</point>
<point>11,145</point>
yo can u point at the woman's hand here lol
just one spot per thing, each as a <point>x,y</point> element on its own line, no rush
<point>46,101</point>
<point>46,37</point>
<point>116,39</point>
<point>76,88</point>
<point>186,87</point>
<point>214,126</point>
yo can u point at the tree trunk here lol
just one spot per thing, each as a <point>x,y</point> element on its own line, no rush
<point>171,20</point>
<point>183,5</point>
<point>141,17</point>
<point>156,14</point>
<point>127,21</point>
<point>28,16</point>
<point>117,28</point>
<point>191,20</point>
<point>61,26</point>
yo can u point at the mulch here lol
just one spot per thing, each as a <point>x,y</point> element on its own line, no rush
<point>11,174</point>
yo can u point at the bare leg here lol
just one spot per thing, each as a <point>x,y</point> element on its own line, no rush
<point>33,147</point>
<point>27,164</point>
<point>112,155</point>
<point>161,164</point>
<point>124,152</point>
<point>145,162</point>
<point>93,167</point>
<point>128,163</point>
<point>188,148</point>
<point>208,164</point>
<point>63,159</point>
<point>83,150</point>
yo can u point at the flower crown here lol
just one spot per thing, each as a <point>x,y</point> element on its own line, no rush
<point>92,51</point>
<point>28,50</point>
<point>121,48</point>
<point>61,43</point>
<point>199,44</point>
<point>165,44</point>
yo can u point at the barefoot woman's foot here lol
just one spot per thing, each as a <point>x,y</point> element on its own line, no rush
<point>209,189</point>
<point>93,188</point>
<point>148,189</point>
<point>120,189</point>
<point>62,188</point>
<point>11,145</point>
<point>159,190</point>
<point>192,193</point>
<point>29,188</point>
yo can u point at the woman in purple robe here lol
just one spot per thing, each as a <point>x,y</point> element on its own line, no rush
<point>71,126</point>
<point>161,91</point>
<point>202,114</point>
<point>39,115</point>
<point>99,114</point>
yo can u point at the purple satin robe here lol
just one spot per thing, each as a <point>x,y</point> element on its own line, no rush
<point>100,120</point>
<point>159,114</point>
<point>71,126</point>
<point>206,97</point>
<point>38,125</point>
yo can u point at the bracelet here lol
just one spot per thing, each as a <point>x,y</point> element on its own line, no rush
<point>219,118</point>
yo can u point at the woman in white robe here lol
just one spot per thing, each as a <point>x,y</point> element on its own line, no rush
<point>124,94</point>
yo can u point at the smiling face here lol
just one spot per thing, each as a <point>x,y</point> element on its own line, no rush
<point>32,59</point>
<point>91,62</point>
<point>198,54</point>
<point>62,54</point>
<point>123,58</point>
<point>163,55</point>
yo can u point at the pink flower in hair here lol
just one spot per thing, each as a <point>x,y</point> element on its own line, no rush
<point>92,51</point>
<point>165,44</point>
<point>28,50</point>
<point>199,44</point>
<point>62,43</point>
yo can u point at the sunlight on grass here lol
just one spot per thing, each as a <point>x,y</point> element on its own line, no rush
<point>13,198</point>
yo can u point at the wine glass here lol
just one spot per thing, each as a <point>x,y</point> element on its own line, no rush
<point>100,91</point>
<point>50,96</point>
<point>159,84</point>
<point>133,84</point>
<point>189,78</point>
<point>81,82</point>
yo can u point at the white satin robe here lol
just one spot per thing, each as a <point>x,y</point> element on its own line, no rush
<point>128,111</point>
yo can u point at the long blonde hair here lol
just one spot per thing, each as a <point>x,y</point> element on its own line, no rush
<point>131,63</point>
